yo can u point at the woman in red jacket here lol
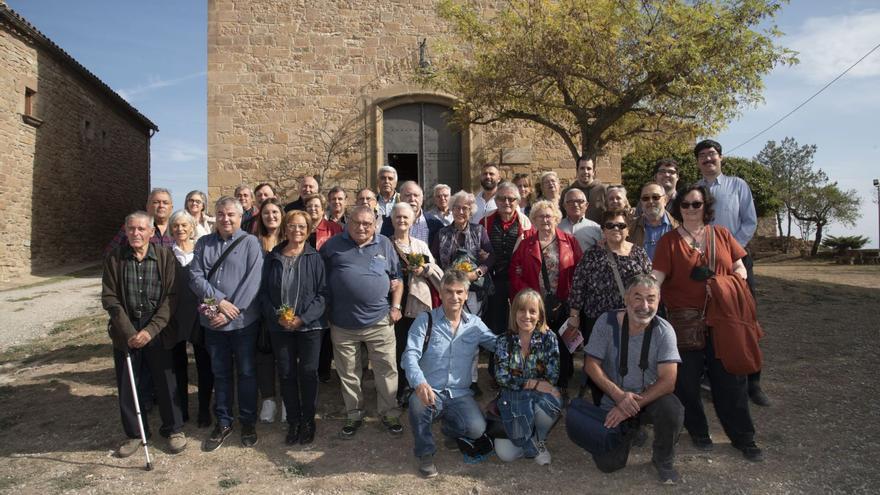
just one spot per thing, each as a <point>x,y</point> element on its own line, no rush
<point>323,229</point>
<point>545,262</point>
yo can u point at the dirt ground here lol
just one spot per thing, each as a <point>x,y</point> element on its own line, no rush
<point>59,421</point>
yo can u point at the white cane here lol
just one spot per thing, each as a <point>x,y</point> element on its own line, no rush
<point>137,408</point>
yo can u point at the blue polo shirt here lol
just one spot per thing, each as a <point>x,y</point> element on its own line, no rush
<point>359,279</point>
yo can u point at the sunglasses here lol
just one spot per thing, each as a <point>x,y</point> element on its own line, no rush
<point>695,205</point>
<point>614,226</point>
<point>653,197</point>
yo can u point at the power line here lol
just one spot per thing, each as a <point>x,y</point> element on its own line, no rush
<point>817,93</point>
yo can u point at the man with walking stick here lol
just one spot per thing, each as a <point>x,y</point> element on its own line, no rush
<point>138,293</point>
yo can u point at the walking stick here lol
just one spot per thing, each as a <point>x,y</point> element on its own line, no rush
<point>137,408</point>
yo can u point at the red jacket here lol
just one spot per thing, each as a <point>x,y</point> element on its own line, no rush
<point>325,230</point>
<point>525,265</point>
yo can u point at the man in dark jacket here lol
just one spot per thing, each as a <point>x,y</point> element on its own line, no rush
<point>425,225</point>
<point>138,292</point>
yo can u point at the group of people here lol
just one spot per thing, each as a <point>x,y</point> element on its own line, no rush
<point>265,288</point>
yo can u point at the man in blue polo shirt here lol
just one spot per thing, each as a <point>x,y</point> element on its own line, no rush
<point>361,267</point>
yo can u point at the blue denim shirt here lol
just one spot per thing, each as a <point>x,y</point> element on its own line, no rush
<point>237,280</point>
<point>654,233</point>
<point>734,206</point>
<point>446,364</point>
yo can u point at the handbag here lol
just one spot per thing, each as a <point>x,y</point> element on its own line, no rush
<point>690,323</point>
<point>556,309</point>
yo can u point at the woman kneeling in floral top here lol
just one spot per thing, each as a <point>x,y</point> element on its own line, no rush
<point>526,367</point>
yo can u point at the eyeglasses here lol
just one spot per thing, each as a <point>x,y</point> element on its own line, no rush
<point>652,197</point>
<point>506,199</point>
<point>196,201</point>
<point>614,226</point>
<point>695,205</point>
<point>575,201</point>
<point>707,154</point>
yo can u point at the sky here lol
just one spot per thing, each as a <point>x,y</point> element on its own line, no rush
<point>154,55</point>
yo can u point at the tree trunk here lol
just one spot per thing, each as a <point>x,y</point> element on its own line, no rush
<point>815,249</point>
<point>779,223</point>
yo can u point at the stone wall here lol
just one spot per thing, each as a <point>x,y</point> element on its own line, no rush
<point>298,87</point>
<point>68,178</point>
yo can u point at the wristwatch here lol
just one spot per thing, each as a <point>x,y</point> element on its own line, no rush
<point>395,306</point>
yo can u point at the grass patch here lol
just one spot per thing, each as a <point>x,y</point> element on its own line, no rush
<point>91,271</point>
<point>294,470</point>
<point>76,332</point>
<point>227,483</point>
<point>71,482</point>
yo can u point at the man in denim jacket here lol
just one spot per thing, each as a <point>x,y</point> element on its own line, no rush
<point>441,373</point>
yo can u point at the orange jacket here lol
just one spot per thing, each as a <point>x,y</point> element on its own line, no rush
<point>732,315</point>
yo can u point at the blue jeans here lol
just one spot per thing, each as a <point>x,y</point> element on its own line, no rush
<point>222,346</point>
<point>296,357</point>
<point>461,417</point>
<point>528,414</point>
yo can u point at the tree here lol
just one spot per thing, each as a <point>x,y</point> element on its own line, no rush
<point>791,170</point>
<point>844,243</point>
<point>821,205</point>
<point>638,168</point>
<point>601,71</point>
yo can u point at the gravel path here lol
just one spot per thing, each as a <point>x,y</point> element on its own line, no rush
<point>31,312</point>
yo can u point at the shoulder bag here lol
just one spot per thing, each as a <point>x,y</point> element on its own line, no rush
<point>690,323</point>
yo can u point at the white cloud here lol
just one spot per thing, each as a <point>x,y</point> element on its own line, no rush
<point>156,82</point>
<point>828,45</point>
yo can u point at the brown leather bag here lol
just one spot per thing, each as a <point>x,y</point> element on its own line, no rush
<point>690,328</point>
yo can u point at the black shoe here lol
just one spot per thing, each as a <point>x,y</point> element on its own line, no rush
<point>307,432</point>
<point>392,424</point>
<point>750,451</point>
<point>324,376</point>
<point>248,435</point>
<point>216,439</point>
<point>475,388</point>
<point>427,467</point>
<point>703,444</point>
<point>293,434</point>
<point>667,473</point>
<point>759,398</point>
<point>351,427</point>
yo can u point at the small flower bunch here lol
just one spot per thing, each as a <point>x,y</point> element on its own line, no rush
<point>464,266</point>
<point>286,315</point>
<point>209,308</point>
<point>416,260</point>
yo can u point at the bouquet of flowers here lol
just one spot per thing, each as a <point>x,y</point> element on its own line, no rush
<point>464,266</point>
<point>209,308</point>
<point>416,260</point>
<point>286,315</point>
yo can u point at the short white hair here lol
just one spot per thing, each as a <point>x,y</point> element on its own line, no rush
<point>158,190</point>
<point>387,168</point>
<point>439,187</point>
<point>186,217</point>
<point>140,214</point>
<point>463,197</point>
<point>403,206</point>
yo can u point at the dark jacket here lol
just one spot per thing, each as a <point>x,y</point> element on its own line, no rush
<point>311,300</point>
<point>114,300</point>
<point>185,318</point>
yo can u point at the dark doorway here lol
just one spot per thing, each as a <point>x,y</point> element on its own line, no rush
<point>406,164</point>
<point>419,143</point>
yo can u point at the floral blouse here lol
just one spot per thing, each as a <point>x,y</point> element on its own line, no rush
<point>543,361</point>
<point>594,289</point>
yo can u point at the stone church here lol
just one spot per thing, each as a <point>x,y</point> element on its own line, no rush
<point>75,155</point>
<point>325,88</point>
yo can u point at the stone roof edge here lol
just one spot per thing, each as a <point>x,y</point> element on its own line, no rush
<point>26,27</point>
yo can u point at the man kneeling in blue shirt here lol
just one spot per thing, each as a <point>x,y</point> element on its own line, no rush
<point>437,361</point>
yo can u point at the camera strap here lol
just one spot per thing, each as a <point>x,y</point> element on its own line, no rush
<point>623,344</point>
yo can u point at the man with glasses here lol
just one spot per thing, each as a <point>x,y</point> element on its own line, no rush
<point>666,174</point>
<point>586,231</point>
<point>361,266</point>
<point>654,221</point>
<point>734,209</point>
<point>593,189</point>
<point>425,225</point>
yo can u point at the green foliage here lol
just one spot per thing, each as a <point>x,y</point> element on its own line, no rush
<point>638,168</point>
<point>602,71</point>
<point>841,244</point>
<point>823,204</point>
<point>791,172</point>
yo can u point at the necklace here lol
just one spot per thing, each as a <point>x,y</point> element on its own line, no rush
<point>696,244</point>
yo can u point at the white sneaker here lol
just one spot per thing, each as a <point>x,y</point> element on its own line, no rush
<point>283,413</point>
<point>267,412</point>
<point>543,457</point>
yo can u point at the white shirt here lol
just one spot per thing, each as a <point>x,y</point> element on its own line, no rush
<point>484,208</point>
<point>586,231</point>
<point>182,256</point>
